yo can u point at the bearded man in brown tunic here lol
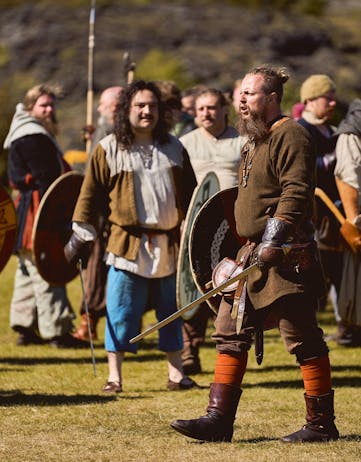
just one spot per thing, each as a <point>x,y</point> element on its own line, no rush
<point>273,210</point>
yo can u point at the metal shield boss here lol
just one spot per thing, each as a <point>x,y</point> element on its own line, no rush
<point>52,229</point>
<point>187,290</point>
<point>212,238</point>
<point>8,225</point>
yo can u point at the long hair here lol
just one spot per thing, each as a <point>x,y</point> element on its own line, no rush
<point>122,128</point>
<point>34,93</point>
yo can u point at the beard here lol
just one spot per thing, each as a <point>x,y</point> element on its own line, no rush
<point>254,127</point>
<point>51,125</point>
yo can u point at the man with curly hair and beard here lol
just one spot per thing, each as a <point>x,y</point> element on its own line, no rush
<point>144,177</point>
<point>273,211</point>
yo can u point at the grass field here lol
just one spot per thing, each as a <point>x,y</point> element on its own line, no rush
<point>52,407</point>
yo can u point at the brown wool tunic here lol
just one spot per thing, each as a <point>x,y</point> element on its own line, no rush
<point>108,189</point>
<point>281,183</point>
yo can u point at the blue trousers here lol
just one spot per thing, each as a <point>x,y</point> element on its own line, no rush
<point>127,297</point>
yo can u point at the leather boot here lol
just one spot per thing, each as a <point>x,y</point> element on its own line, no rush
<point>217,424</point>
<point>82,332</point>
<point>27,336</point>
<point>320,421</point>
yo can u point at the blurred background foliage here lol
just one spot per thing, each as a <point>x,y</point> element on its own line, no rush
<point>158,65</point>
<point>210,42</point>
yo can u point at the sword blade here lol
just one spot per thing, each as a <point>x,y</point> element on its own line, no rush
<point>196,302</point>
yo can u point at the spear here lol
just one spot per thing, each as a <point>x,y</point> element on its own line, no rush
<point>129,68</point>
<point>91,44</point>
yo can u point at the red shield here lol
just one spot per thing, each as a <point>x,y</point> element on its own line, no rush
<point>52,229</point>
<point>8,224</point>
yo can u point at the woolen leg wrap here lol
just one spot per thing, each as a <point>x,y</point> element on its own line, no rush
<point>316,376</point>
<point>230,369</point>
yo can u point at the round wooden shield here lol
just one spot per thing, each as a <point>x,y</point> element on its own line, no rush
<point>212,238</point>
<point>186,289</point>
<point>8,223</point>
<point>52,228</point>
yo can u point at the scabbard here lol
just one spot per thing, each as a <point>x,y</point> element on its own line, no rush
<point>237,298</point>
<point>258,346</point>
<point>241,308</point>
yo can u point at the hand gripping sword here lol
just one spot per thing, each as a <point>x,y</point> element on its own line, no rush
<point>196,302</point>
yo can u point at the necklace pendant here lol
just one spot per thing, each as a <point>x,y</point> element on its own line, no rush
<point>244,181</point>
<point>146,155</point>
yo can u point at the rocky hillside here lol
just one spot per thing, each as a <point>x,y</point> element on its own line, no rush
<point>210,42</point>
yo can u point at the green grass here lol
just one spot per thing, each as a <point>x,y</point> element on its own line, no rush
<point>52,408</point>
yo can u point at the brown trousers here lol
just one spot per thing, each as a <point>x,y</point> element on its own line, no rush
<point>295,316</point>
<point>194,329</point>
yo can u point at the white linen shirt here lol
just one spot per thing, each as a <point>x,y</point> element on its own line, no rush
<point>156,208</point>
<point>220,155</point>
<point>348,161</point>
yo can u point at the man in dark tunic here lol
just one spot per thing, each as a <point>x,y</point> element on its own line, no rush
<point>318,93</point>
<point>39,311</point>
<point>273,210</point>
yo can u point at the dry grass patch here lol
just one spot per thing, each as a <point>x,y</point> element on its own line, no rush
<point>52,408</point>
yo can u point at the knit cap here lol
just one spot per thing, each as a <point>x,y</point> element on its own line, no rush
<point>315,86</point>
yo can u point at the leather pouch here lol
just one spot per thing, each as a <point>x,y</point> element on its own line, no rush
<point>300,257</point>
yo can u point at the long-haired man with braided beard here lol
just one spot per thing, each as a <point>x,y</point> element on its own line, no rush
<point>273,210</point>
<point>141,179</point>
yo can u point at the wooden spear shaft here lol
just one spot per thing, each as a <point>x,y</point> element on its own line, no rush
<point>90,93</point>
<point>324,197</point>
<point>129,68</point>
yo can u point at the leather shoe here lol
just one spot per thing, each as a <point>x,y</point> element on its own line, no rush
<point>28,337</point>
<point>192,366</point>
<point>68,341</point>
<point>112,387</point>
<point>185,384</point>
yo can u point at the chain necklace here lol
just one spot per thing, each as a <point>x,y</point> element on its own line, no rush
<point>247,153</point>
<point>146,153</point>
<point>249,150</point>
